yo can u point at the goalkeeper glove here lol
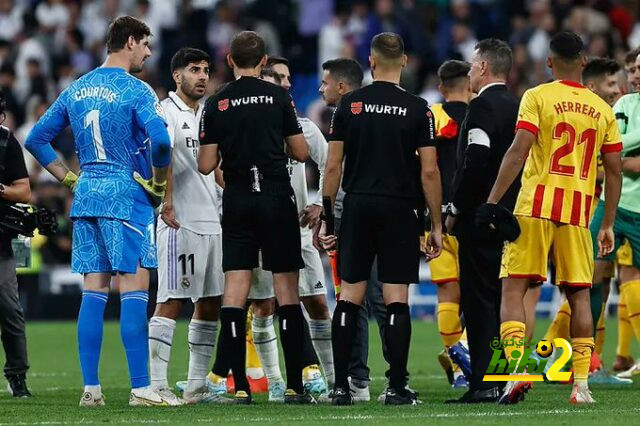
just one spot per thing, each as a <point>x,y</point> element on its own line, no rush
<point>155,190</point>
<point>496,220</point>
<point>70,180</point>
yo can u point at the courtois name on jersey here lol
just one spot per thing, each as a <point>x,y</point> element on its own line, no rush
<point>108,110</point>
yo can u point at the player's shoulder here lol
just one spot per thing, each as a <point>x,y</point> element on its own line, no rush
<point>308,126</point>
<point>629,98</point>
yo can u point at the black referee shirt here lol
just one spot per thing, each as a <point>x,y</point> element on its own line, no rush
<point>249,119</point>
<point>382,126</point>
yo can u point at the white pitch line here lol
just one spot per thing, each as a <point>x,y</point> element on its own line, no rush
<point>420,415</point>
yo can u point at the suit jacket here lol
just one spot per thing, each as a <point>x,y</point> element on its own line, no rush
<point>495,111</point>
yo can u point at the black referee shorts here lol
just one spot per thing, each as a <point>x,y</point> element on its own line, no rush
<point>265,221</point>
<point>385,227</point>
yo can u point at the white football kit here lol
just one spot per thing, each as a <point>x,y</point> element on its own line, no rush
<point>189,258</point>
<point>311,281</point>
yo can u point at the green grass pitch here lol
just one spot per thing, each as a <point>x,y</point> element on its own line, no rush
<point>56,383</point>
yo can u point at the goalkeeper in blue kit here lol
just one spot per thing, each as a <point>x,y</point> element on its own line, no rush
<point>124,150</point>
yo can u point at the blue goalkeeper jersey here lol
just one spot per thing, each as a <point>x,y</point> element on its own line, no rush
<point>109,111</point>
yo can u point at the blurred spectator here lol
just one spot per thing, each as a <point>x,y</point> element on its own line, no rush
<point>10,19</point>
<point>46,44</point>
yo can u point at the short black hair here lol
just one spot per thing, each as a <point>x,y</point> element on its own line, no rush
<point>566,45</point>
<point>631,56</point>
<point>388,46</point>
<point>345,69</point>
<point>599,67</point>
<point>451,72</point>
<point>498,54</point>
<point>121,29</point>
<point>247,49</point>
<point>275,60</point>
<point>188,55</point>
<point>269,72</point>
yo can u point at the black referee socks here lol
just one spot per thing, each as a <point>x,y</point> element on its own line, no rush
<point>398,336</point>
<point>291,335</point>
<point>232,346</point>
<point>343,333</point>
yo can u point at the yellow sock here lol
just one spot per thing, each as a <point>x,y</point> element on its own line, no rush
<point>581,358</point>
<point>449,323</point>
<point>512,330</point>
<point>253,361</point>
<point>600,331</point>
<point>625,332</point>
<point>632,295</point>
<point>560,325</point>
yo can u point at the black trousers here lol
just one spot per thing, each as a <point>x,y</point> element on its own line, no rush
<point>14,340</point>
<point>480,295</point>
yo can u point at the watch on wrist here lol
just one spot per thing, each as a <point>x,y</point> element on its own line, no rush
<point>1,190</point>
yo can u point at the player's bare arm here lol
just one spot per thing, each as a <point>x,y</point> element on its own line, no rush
<point>612,185</point>
<point>631,165</point>
<point>219,176</point>
<point>512,163</point>
<point>19,191</point>
<point>297,147</point>
<point>432,189</point>
<point>333,170</point>
<point>208,158</point>
<point>332,177</point>
<point>167,213</point>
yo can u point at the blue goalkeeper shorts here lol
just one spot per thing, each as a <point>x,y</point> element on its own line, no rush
<point>105,245</point>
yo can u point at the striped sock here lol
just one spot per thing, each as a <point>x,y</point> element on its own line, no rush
<point>321,338</point>
<point>632,293</point>
<point>160,339</point>
<point>90,328</point>
<point>581,358</point>
<point>202,338</point>
<point>266,343</point>
<point>135,336</point>
<point>625,332</point>
<point>449,323</point>
<point>512,330</point>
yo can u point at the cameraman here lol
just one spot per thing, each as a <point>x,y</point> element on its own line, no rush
<point>14,188</point>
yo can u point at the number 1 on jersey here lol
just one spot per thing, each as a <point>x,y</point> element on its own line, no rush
<point>93,119</point>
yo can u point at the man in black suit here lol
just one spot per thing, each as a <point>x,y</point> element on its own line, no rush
<point>486,134</point>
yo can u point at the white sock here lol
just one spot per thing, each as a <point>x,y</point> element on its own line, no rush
<point>202,339</point>
<point>95,390</point>
<point>264,338</point>
<point>320,331</point>
<point>160,339</point>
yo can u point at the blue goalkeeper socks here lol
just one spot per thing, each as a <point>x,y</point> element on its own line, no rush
<point>90,319</point>
<point>135,335</point>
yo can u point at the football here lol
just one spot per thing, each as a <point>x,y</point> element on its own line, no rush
<point>544,348</point>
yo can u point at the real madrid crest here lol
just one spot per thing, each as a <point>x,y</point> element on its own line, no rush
<point>185,282</point>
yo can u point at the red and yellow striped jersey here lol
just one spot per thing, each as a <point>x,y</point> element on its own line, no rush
<point>446,127</point>
<point>571,124</point>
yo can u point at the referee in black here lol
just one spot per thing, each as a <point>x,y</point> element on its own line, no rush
<point>486,134</point>
<point>386,137</point>
<point>244,125</point>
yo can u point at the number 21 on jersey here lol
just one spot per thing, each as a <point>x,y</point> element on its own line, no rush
<point>92,119</point>
<point>587,137</point>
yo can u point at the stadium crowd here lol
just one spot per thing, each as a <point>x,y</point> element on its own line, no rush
<point>46,46</point>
